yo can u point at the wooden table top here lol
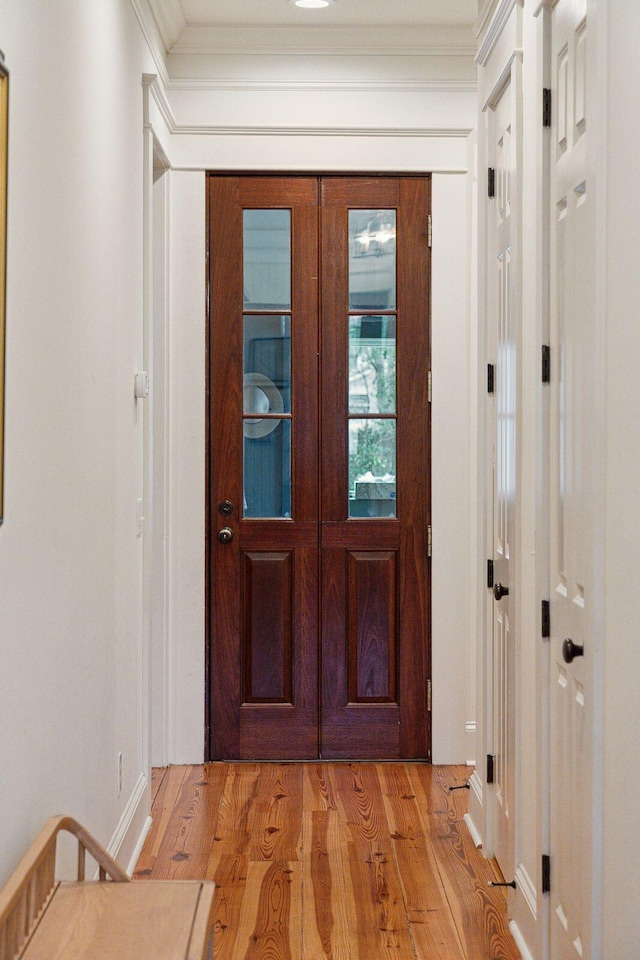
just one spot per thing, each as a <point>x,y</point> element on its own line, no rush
<point>163,920</point>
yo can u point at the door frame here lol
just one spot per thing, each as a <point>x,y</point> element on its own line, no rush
<point>211,517</point>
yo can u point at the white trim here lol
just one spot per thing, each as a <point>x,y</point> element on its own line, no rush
<point>159,94</point>
<point>470,734</point>
<point>128,817</point>
<point>493,34</point>
<point>157,54</point>
<point>502,81</point>
<point>246,131</point>
<point>169,20</point>
<point>484,17</point>
<point>520,941</point>
<point>137,850</point>
<point>527,889</point>
<point>476,785</point>
<point>246,168</point>
<point>157,89</point>
<point>333,86</point>
<point>391,40</point>
<point>475,836</point>
<point>196,49</point>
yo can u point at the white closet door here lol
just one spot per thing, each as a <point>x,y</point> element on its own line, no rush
<point>503,276</point>
<point>572,264</point>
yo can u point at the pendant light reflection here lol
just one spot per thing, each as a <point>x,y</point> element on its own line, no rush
<point>312,3</point>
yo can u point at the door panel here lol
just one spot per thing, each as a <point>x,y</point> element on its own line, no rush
<point>263,584</point>
<point>369,531</point>
<point>322,582</point>
<point>504,474</point>
<point>572,269</point>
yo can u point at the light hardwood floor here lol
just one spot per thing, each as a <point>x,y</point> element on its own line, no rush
<point>330,861</point>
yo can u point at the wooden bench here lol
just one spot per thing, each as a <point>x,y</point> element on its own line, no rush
<point>106,919</point>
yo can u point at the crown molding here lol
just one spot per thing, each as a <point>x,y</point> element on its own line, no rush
<point>280,131</point>
<point>326,41</point>
<point>489,35</point>
<point>484,17</point>
<point>159,93</point>
<point>152,37</point>
<point>331,86</point>
<point>170,20</point>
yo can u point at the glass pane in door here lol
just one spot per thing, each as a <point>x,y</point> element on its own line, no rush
<point>267,364</point>
<point>372,468</point>
<point>267,468</point>
<point>372,259</point>
<point>267,259</point>
<point>372,364</point>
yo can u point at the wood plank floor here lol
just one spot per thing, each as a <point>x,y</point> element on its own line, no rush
<point>330,861</point>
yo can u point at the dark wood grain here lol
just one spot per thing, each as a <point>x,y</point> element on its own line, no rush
<point>224,427</point>
<point>370,631</point>
<point>268,639</point>
<point>331,861</point>
<point>414,480</point>
<point>256,665</point>
<point>372,626</point>
<point>318,604</point>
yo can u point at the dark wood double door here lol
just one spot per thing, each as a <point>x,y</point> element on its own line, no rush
<point>319,467</point>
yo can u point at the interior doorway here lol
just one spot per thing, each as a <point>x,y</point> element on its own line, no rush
<point>318,467</point>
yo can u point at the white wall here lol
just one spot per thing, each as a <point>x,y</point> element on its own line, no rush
<point>71,652</point>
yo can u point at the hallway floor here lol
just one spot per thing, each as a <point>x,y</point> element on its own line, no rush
<point>330,861</point>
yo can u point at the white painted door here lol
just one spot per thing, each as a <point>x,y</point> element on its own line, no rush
<point>572,267</point>
<point>503,279</point>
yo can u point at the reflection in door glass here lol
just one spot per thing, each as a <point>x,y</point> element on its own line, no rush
<point>267,259</point>
<point>372,468</point>
<point>267,468</point>
<point>372,364</point>
<point>267,364</point>
<point>372,259</point>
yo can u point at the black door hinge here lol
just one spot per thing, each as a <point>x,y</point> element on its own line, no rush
<point>546,107</point>
<point>491,182</point>
<point>546,363</point>
<point>490,768</point>
<point>546,618</point>
<point>546,873</point>
<point>489,574</point>
<point>491,378</point>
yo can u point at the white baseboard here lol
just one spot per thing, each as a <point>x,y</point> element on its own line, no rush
<point>520,942</point>
<point>527,889</point>
<point>137,850</point>
<point>134,825</point>
<point>475,783</point>
<point>475,836</point>
<point>470,739</point>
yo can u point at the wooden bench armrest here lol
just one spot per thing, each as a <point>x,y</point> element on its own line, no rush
<point>29,888</point>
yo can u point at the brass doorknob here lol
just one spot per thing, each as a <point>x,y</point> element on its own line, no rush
<point>225,535</point>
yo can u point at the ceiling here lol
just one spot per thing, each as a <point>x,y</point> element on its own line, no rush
<point>356,13</point>
<point>207,25</point>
